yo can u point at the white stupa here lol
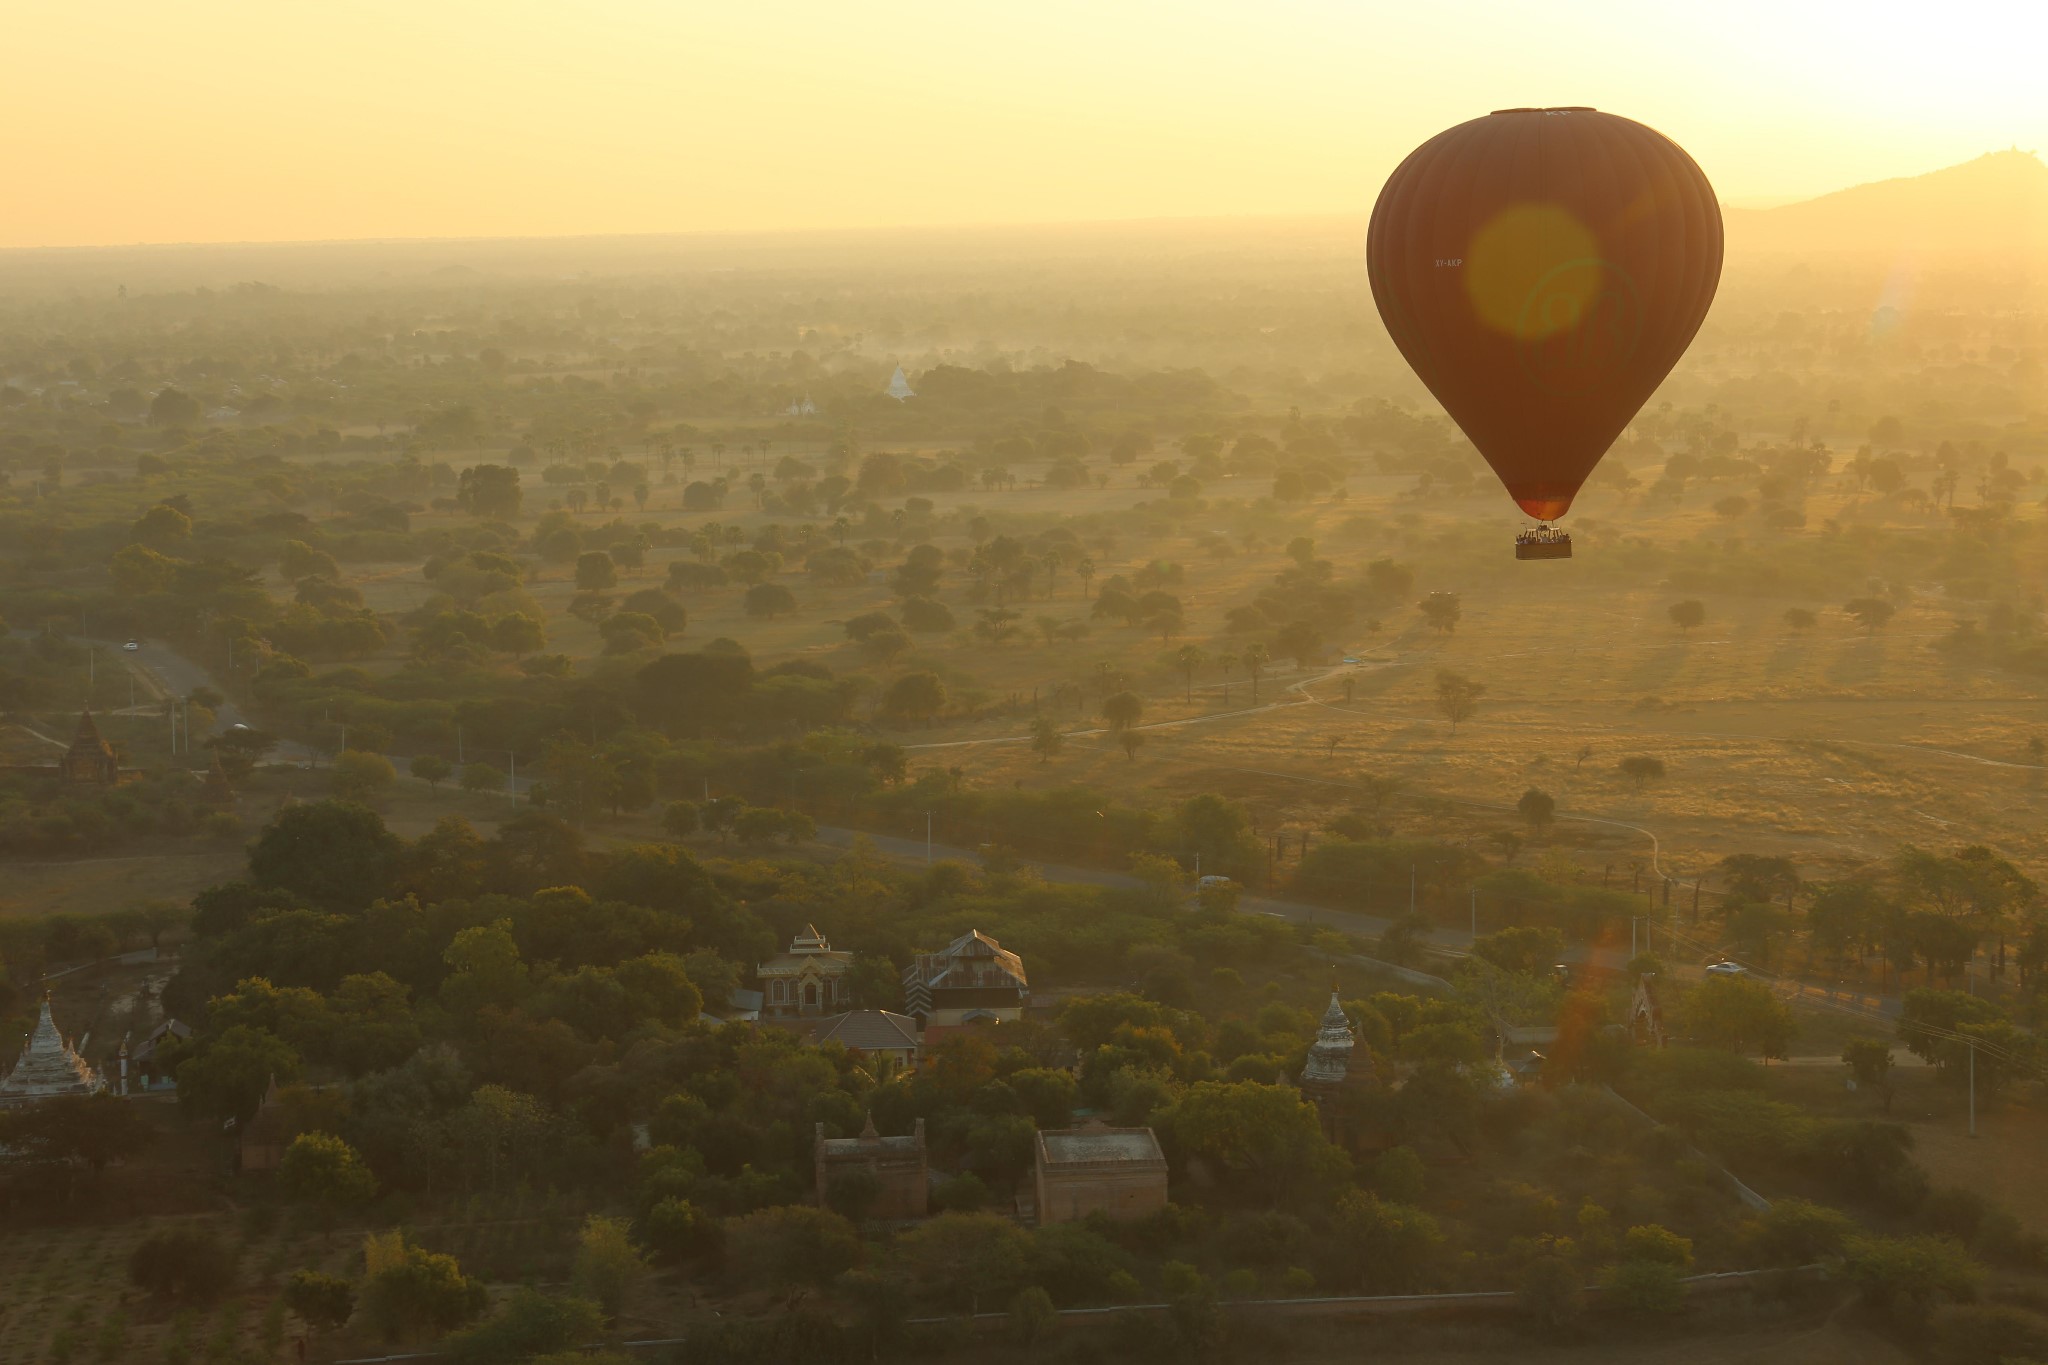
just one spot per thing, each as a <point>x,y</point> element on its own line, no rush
<point>899,387</point>
<point>49,1067</point>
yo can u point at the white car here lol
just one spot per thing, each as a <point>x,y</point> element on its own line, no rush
<point>1727,969</point>
<point>132,646</point>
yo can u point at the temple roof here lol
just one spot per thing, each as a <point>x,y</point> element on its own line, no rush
<point>973,959</point>
<point>1329,1057</point>
<point>49,1067</point>
<point>807,948</point>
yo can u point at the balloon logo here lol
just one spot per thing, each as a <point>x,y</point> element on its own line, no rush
<point>1542,270</point>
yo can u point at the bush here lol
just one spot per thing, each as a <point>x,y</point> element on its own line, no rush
<point>530,1325</point>
<point>188,1265</point>
<point>1797,1232</point>
<point>1032,1316</point>
<point>322,1301</point>
<point>1651,1242</point>
<point>409,1290</point>
<point>1552,1291</point>
<point>680,1231</point>
<point>358,776</point>
<point>1644,1289</point>
<point>1907,1278</point>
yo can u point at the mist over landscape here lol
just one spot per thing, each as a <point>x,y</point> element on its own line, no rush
<point>1007,787</point>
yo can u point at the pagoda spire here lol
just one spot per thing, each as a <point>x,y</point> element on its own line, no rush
<point>49,1067</point>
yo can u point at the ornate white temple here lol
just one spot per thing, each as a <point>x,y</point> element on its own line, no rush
<point>899,386</point>
<point>49,1067</point>
<point>1329,1056</point>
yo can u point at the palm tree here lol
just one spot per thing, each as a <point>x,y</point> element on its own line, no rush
<point>1256,657</point>
<point>1190,658</point>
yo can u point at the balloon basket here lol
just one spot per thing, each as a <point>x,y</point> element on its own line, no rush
<point>1543,543</point>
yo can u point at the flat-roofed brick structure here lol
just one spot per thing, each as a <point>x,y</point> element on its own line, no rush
<point>1119,1172</point>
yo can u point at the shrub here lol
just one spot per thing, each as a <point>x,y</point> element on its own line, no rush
<point>1907,1278</point>
<point>1797,1232</point>
<point>531,1325</point>
<point>323,1302</point>
<point>1644,1288</point>
<point>1651,1242</point>
<point>409,1290</point>
<point>1552,1291</point>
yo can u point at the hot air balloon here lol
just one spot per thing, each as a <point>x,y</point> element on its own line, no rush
<point>1542,270</point>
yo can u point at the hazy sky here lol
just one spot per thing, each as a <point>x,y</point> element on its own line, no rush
<point>219,121</point>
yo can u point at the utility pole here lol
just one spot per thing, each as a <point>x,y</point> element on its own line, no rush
<point>511,776</point>
<point>927,838</point>
<point>1475,914</point>
<point>1973,1087</point>
<point>1411,888</point>
<point>458,746</point>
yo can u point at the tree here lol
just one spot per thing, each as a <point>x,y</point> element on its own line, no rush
<point>533,1328</point>
<point>489,490</point>
<point>1301,641</point>
<point>1688,615</point>
<point>322,1170</point>
<point>1123,710</point>
<point>1457,697</point>
<point>1739,1014</point>
<point>1641,771</point>
<point>1538,807</point>
<point>323,1302</point>
<point>431,769</point>
<point>164,527</point>
<point>408,1290</point>
<point>1552,1289</point>
<point>330,854</point>
<point>1525,949</point>
<point>1906,1278</point>
<point>1642,1288</point>
<point>1046,739</point>
<point>770,600</point>
<point>1390,1246</point>
<point>1870,612</point>
<point>226,1077</point>
<point>517,634</point>
<point>482,777</point>
<point>173,408</point>
<point>1255,658</point>
<point>608,1268</point>
<point>791,1247</point>
<point>962,1257</point>
<point>1442,611</point>
<point>1800,619</point>
<point>359,776</point>
<point>596,571</point>
<point>679,819</point>
<point>1190,658</point>
<point>915,696</point>
<point>1266,1137</point>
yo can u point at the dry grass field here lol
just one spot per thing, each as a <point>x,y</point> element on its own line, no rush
<point>1832,745</point>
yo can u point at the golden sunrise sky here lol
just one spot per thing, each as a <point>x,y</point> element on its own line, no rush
<point>215,120</point>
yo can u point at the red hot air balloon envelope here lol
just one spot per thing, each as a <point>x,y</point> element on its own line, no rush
<point>1542,270</point>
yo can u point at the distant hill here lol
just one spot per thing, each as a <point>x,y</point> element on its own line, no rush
<point>1993,207</point>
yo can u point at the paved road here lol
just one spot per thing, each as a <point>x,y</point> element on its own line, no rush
<point>180,676</point>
